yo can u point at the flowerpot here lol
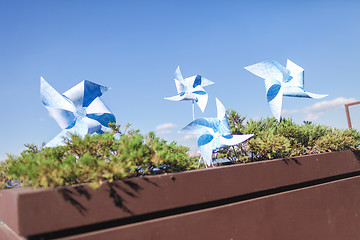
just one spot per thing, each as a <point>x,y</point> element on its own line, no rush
<point>306,197</point>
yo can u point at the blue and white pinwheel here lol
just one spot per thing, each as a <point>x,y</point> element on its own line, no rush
<point>214,133</point>
<point>191,89</point>
<point>78,110</point>
<point>281,81</point>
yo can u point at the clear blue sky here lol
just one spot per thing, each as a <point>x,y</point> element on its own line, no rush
<point>134,47</point>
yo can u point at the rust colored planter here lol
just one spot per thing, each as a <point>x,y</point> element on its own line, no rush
<point>307,197</point>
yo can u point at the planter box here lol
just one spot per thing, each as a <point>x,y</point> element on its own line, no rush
<point>307,197</point>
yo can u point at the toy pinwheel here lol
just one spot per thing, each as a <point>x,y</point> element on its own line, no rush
<point>191,89</point>
<point>79,110</point>
<point>281,81</point>
<point>214,133</point>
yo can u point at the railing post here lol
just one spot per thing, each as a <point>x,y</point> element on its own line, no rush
<point>348,113</point>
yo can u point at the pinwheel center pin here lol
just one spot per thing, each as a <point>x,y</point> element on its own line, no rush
<point>217,135</point>
<point>80,112</point>
<point>216,127</point>
<point>288,79</point>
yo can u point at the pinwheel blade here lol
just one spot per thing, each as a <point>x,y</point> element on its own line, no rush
<point>58,140</point>
<point>274,98</point>
<point>59,108</point>
<point>294,92</point>
<point>63,118</point>
<point>193,81</point>
<point>302,94</point>
<point>178,76</point>
<point>98,117</point>
<point>197,80</point>
<point>93,124</point>
<point>201,97</point>
<point>202,101</point>
<point>98,112</point>
<point>84,93</point>
<point>206,152</point>
<point>269,70</point>
<point>297,74</point>
<point>275,75</point>
<point>179,82</point>
<point>102,118</point>
<point>223,127</point>
<point>51,98</point>
<point>176,98</point>
<point>76,94</point>
<point>293,68</point>
<point>232,140</point>
<point>79,128</point>
<point>205,139</point>
<point>295,87</point>
<point>197,126</point>
<point>97,106</point>
<point>316,96</point>
<point>221,111</point>
<point>206,82</point>
<point>180,87</point>
<point>298,92</point>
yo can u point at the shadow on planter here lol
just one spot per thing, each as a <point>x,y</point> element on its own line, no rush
<point>71,195</point>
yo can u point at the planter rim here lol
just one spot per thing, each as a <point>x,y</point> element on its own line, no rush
<point>299,157</point>
<point>24,211</point>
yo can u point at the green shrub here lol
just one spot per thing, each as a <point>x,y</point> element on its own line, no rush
<point>95,159</point>
<point>285,139</point>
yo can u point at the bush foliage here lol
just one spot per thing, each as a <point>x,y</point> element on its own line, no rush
<point>94,159</point>
<point>285,139</point>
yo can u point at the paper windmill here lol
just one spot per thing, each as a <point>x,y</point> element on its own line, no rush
<point>281,81</point>
<point>214,133</point>
<point>191,89</point>
<point>79,110</point>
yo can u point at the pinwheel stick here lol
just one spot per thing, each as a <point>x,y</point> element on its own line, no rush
<point>206,166</point>
<point>193,103</point>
